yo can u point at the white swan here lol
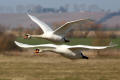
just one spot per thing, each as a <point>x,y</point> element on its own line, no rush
<point>57,35</point>
<point>72,52</point>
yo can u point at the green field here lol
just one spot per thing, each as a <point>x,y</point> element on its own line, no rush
<point>74,41</point>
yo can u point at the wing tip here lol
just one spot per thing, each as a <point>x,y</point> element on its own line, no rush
<point>111,44</point>
<point>17,43</point>
<point>29,15</point>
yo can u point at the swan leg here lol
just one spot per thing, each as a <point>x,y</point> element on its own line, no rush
<point>66,40</point>
<point>83,56</point>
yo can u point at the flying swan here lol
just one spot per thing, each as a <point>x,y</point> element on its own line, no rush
<point>57,35</point>
<point>72,52</point>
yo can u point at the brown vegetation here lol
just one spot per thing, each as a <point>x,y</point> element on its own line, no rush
<point>7,41</point>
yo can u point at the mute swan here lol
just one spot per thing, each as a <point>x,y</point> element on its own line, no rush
<point>57,35</point>
<point>72,52</point>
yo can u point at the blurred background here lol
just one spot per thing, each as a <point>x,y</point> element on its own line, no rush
<point>101,27</point>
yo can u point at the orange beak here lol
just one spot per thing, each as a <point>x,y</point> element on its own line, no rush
<point>37,51</point>
<point>25,37</point>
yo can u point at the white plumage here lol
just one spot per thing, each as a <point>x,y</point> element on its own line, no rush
<point>57,35</point>
<point>66,50</point>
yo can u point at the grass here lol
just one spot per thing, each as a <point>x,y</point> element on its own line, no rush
<point>49,67</point>
<point>58,68</point>
<point>74,41</point>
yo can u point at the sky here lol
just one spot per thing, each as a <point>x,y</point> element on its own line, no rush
<point>113,5</point>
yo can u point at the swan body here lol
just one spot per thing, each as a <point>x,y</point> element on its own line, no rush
<point>73,52</point>
<point>57,35</point>
<point>48,36</point>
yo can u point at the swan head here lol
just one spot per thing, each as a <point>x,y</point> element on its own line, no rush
<point>38,51</point>
<point>27,36</point>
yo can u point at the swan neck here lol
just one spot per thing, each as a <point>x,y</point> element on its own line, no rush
<point>51,50</point>
<point>35,35</point>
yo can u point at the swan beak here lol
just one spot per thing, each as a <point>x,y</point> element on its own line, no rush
<point>25,37</point>
<point>36,51</point>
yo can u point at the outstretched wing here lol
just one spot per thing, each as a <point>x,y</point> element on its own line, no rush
<point>32,46</point>
<point>76,47</point>
<point>45,28</point>
<point>67,27</point>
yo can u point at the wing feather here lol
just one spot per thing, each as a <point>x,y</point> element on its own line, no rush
<point>68,26</point>
<point>88,47</point>
<point>45,28</point>
<point>32,46</point>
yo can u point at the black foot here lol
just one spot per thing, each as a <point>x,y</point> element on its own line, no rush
<point>84,57</point>
<point>66,40</point>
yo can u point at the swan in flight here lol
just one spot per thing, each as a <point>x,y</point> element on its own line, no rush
<point>68,51</point>
<point>57,35</point>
